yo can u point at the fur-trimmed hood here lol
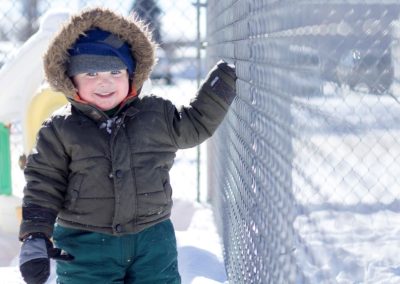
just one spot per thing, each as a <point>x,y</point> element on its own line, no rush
<point>130,29</point>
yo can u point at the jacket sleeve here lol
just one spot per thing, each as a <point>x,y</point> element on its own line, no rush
<point>46,175</point>
<point>193,124</point>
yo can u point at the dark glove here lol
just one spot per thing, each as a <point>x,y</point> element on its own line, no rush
<point>34,258</point>
<point>221,81</point>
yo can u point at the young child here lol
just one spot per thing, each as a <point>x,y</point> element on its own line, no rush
<point>98,179</point>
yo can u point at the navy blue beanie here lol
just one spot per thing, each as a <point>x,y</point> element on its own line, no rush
<point>99,51</point>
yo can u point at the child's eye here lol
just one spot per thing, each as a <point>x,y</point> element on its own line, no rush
<point>116,72</point>
<point>91,74</point>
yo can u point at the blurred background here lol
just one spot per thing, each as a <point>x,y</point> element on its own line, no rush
<point>303,174</point>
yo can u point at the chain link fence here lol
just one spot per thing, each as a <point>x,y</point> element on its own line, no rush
<point>304,172</point>
<point>176,75</point>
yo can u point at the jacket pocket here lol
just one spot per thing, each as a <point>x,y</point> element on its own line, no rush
<point>73,190</point>
<point>156,202</point>
<point>150,204</point>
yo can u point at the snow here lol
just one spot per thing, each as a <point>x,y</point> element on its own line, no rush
<point>349,227</point>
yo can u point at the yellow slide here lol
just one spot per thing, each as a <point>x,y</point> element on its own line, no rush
<point>40,108</point>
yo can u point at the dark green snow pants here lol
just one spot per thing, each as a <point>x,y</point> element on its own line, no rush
<point>147,257</point>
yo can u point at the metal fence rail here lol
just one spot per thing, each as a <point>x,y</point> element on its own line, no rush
<point>304,170</point>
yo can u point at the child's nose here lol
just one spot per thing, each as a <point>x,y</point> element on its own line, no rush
<point>105,80</point>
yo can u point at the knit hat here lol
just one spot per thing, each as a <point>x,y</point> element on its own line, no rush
<point>130,29</point>
<point>98,51</point>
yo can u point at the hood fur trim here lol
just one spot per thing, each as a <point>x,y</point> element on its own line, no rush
<point>130,29</point>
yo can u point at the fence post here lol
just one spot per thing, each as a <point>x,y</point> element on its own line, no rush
<point>5,160</point>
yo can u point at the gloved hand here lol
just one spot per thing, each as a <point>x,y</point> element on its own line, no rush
<point>34,258</point>
<point>221,80</point>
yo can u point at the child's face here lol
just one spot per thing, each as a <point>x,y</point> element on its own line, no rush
<point>105,90</point>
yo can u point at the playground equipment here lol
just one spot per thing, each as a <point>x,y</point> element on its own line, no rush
<point>41,106</point>
<point>20,79</point>
<point>5,163</point>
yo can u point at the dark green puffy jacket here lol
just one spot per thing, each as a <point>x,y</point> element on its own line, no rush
<point>112,175</point>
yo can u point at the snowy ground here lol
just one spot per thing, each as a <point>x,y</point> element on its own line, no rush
<point>349,231</point>
<point>199,246</point>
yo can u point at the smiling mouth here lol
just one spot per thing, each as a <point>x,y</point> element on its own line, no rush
<point>105,95</point>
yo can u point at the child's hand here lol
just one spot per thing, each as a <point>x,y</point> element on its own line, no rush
<point>221,80</point>
<point>229,69</point>
<point>34,259</point>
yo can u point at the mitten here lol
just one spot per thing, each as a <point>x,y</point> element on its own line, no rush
<point>221,81</point>
<point>34,258</point>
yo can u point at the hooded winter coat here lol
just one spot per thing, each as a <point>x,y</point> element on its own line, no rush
<point>108,175</point>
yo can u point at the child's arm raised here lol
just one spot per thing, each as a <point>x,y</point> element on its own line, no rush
<point>193,124</point>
